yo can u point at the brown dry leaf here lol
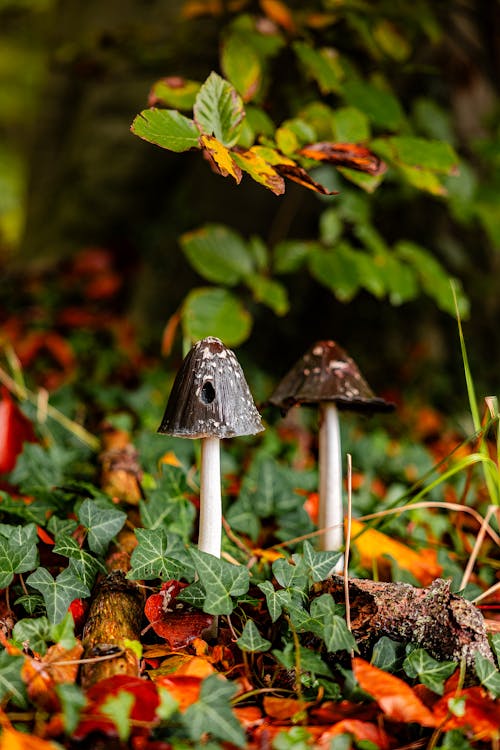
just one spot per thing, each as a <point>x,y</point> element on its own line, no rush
<point>299,175</point>
<point>345,155</point>
<point>220,157</point>
<point>373,545</point>
<point>59,665</point>
<point>396,699</point>
<point>168,337</point>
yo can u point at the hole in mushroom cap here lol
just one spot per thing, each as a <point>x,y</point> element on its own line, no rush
<point>207,392</point>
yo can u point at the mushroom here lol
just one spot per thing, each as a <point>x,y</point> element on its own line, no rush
<point>210,399</point>
<point>327,376</point>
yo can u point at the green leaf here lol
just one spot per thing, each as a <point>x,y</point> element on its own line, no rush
<point>175,92</point>
<point>495,645</point>
<point>212,713</point>
<point>34,631</point>
<point>64,632</point>
<point>241,65</point>
<point>291,575</point>
<point>251,640</point>
<point>381,107</point>
<point>411,151</point>
<point>12,687</point>
<point>290,255</point>
<point>276,600</point>
<point>73,702</point>
<point>84,564</point>
<point>310,661</point>
<point>488,674</point>
<point>270,293</point>
<point>59,593</point>
<point>336,269</point>
<point>41,468</point>
<point>350,125</point>
<point>102,524</point>
<point>166,128</point>
<point>296,738</point>
<point>221,581</point>
<point>218,110</point>
<point>431,673</point>
<point>322,65</point>
<point>215,312</point>
<point>333,628</point>
<point>218,254</point>
<point>18,551</point>
<point>391,40</point>
<point>385,654</point>
<point>118,708</point>
<point>319,564</point>
<point>154,556</point>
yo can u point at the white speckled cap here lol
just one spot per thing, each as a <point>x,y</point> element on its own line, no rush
<point>210,396</point>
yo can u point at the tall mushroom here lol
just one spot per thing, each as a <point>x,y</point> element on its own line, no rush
<point>210,399</point>
<point>327,376</point>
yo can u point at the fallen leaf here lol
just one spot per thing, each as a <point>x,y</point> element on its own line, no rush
<point>396,699</point>
<point>176,623</point>
<point>360,730</point>
<point>279,13</point>
<point>482,713</point>
<point>283,708</point>
<point>59,665</point>
<point>11,739</point>
<point>15,429</point>
<point>185,689</point>
<point>373,545</point>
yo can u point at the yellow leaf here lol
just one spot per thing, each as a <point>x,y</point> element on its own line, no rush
<point>221,157</point>
<point>260,170</point>
<point>170,459</point>
<point>374,545</point>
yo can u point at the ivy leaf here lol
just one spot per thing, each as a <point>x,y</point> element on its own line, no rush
<point>102,524</point>
<point>488,674</point>
<point>431,673</point>
<point>212,713</point>
<point>152,558</point>
<point>276,600</point>
<point>218,254</point>
<point>251,639</point>
<point>333,630</point>
<point>59,593</point>
<point>166,128</point>
<point>218,110</point>
<point>34,631</point>
<point>41,468</point>
<point>319,564</point>
<point>118,708</point>
<point>18,551</point>
<point>221,581</point>
<point>12,687</point>
<point>83,564</point>
<point>215,312</point>
<point>73,702</point>
<point>291,575</point>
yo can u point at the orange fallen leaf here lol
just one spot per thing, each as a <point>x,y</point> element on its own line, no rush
<point>185,689</point>
<point>283,708</point>
<point>279,13</point>
<point>11,739</point>
<point>373,545</point>
<point>360,730</point>
<point>396,699</point>
<point>59,665</point>
<point>482,713</point>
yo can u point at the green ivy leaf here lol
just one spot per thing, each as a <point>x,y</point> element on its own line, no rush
<point>155,556</point>
<point>102,524</point>
<point>431,673</point>
<point>118,708</point>
<point>83,564</point>
<point>251,640</point>
<point>488,674</point>
<point>212,713</point>
<point>64,632</point>
<point>40,468</point>
<point>221,581</point>
<point>276,600</point>
<point>218,254</point>
<point>215,312</point>
<point>59,593</point>
<point>35,631</point>
<point>333,629</point>
<point>385,654</point>
<point>292,575</point>
<point>218,110</point>
<point>18,551</point>
<point>166,128</point>
<point>319,564</point>
<point>12,687</point>
<point>73,701</point>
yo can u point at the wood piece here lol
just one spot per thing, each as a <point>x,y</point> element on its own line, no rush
<point>115,615</point>
<point>443,623</point>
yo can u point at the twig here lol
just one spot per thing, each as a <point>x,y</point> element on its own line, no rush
<point>477,545</point>
<point>486,593</point>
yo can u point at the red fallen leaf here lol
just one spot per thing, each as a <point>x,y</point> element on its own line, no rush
<point>143,709</point>
<point>44,537</point>
<point>360,730</point>
<point>185,689</point>
<point>92,261</point>
<point>482,713</point>
<point>173,622</point>
<point>396,699</point>
<point>297,174</point>
<point>15,429</point>
<point>345,155</point>
<point>78,609</point>
<point>11,739</point>
<point>331,712</point>
<point>311,506</point>
<point>249,716</point>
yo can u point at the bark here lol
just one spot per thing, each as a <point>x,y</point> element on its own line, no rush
<point>445,624</point>
<point>115,615</point>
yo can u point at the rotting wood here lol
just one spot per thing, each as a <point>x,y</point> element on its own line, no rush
<point>445,624</point>
<point>115,616</point>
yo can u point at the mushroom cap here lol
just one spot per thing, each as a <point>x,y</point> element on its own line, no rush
<point>210,396</point>
<point>327,373</point>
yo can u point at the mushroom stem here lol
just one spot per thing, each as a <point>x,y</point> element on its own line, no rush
<point>209,538</point>
<point>331,516</point>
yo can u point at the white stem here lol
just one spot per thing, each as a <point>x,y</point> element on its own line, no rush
<point>209,538</point>
<point>331,515</point>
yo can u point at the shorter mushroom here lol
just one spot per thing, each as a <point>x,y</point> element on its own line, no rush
<point>210,400</point>
<point>327,376</point>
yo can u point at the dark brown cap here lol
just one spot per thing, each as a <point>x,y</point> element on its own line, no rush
<point>210,396</point>
<point>327,373</point>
